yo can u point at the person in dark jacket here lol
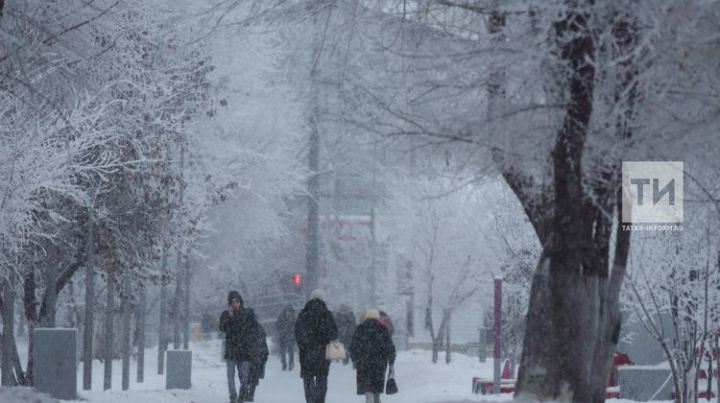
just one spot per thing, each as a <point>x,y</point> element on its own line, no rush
<point>258,354</point>
<point>372,350</point>
<point>345,319</point>
<point>232,323</point>
<point>314,330</point>
<point>285,326</point>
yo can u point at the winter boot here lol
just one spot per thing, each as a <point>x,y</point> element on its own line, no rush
<point>250,395</point>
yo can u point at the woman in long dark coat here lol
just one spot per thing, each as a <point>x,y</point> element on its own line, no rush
<point>258,352</point>
<point>314,329</point>
<point>372,350</point>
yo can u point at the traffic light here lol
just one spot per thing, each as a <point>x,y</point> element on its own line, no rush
<point>297,280</point>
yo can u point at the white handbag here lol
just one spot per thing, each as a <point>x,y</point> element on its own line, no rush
<point>335,351</point>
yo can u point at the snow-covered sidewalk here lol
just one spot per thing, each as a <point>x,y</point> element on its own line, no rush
<point>419,381</point>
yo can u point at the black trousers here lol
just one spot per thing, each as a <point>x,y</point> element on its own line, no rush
<point>287,348</point>
<point>315,389</point>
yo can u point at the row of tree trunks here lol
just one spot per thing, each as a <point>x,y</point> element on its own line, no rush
<point>108,332</point>
<point>89,323</point>
<point>126,334</point>
<point>162,329</point>
<point>141,314</point>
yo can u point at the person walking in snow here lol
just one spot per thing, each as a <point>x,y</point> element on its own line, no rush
<point>257,353</point>
<point>345,319</point>
<point>233,324</point>
<point>372,350</point>
<point>315,328</point>
<point>285,326</point>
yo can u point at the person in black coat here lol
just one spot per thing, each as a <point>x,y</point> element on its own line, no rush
<point>372,350</point>
<point>285,326</point>
<point>345,319</point>
<point>314,329</point>
<point>232,323</point>
<point>258,354</point>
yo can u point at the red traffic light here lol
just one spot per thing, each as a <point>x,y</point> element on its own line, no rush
<point>297,279</point>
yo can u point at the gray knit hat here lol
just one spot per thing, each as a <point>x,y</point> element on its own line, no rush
<point>318,294</point>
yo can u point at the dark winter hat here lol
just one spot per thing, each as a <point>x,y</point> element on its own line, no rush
<point>234,295</point>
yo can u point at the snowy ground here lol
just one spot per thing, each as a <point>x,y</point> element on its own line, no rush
<point>418,379</point>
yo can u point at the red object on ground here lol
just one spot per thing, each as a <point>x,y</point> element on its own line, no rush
<point>612,394</point>
<point>507,372</point>
<point>702,374</point>
<point>702,394</point>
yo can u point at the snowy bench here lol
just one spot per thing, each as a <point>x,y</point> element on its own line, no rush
<point>485,386</point>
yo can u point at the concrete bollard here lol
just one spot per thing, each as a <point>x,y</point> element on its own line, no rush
<point>55,362</point>
<point>179,369</point>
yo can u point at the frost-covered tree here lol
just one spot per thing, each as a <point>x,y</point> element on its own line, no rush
<point>567,90</point>
<point>115,92</point>
<point>672,290</point>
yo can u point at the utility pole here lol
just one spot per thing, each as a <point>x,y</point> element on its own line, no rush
<point>312,246</point>
<point>186,303</point>
<point>178,260</point>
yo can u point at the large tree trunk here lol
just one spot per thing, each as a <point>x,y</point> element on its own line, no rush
<point>573,320</point>
<point>564,327</point>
